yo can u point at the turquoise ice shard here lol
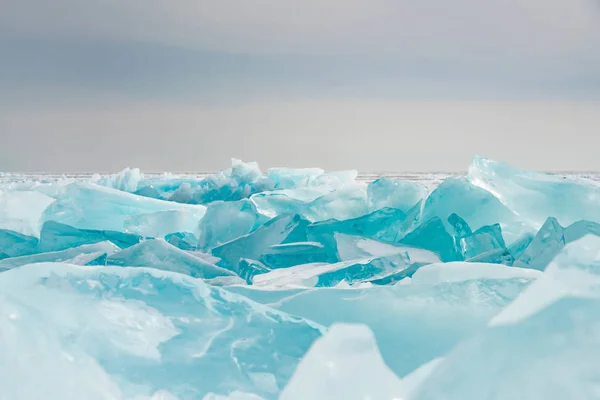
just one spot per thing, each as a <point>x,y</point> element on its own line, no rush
<point>59,256</point>
<point>351,247</point>
<point>156,253</point>
<point>476,206</point>
<point>385,225</point>
<point>225,221</point>
<point>459,226</point>
<point>345,203</point>
<point>161,223</point>
<point>536,196</point>
<point>550,239</point>
<point>432,235</point>
<point>574,272</point>
<point>394,193</point>
<point>143,331</point>
<point>279,202</point>
<point>126,180</point>
<point>20,211</point>
<point>89,206</point>
<point>518,247</point>
<point>56,237</point>
<point>388,267</point>
<point>485,239</point>
<point>547,243</point>
<point>183,240</point>
<point>289,178</point>
<point>496,256</point>
<point>15,244</point>
<point>257,243</point>
<point>579,229</point>
<point>343,364</point>
<point>290,254</point>
<point>248,269</point>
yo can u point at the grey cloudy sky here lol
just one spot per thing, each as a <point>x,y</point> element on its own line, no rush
<point>367,84</point>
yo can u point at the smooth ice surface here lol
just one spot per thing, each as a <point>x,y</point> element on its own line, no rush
<point>20,211</point>
<point>226,221</point>
<point>346,354</point>
<point>106,247</point>
<point>221,287</point>
<point>254,244</point>
<point>413,324</point>
<point>15,244</point>
<point>89,206</point>
<point>161,223</point>
<point>394,193</point>
<point>435,274</point>
<point>114,333</point>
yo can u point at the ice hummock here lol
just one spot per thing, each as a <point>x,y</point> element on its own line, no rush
<point>300,283</point>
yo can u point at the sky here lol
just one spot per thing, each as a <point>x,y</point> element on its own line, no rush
<point>373,85</point>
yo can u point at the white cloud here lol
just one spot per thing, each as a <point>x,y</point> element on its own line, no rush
<point>427,27</point>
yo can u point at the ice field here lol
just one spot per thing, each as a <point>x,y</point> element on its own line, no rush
<point>300,284</point>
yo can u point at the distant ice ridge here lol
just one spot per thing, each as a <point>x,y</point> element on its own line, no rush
<point>300,284</point>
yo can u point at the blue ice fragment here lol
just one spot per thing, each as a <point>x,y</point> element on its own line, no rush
<point>161,255</point>
<point>289,178</point>
<point>483,240</point>
<point>518,247</point>
<point>550,239</point>
<point>56,237</point>
<point>547,243</point>
<point>59,256</point>
<point>126,180</point>
<point>182,240</point>
<point>20,211</point>
<point>432,235</point>
<point>89,206</point>
<point>161,223</point>
<point>290,254</point>
<point>385,225</point>
<point>341,204</point>
<point>536,196</point>
<point>459,226</point>
<point>134,332</point>
<point>225,221</point>
<point>579,229</point>
<point>239,182</point>
<point>351,247</point>
<point>299,233</point>
<point>247,269</point>
<point>327,275</point>
<point>495,256</point>
<point>257,243</point>
<point>15,244</point>
<point>279,202</point>
<point>476,206</point>
<point>394,193</point>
